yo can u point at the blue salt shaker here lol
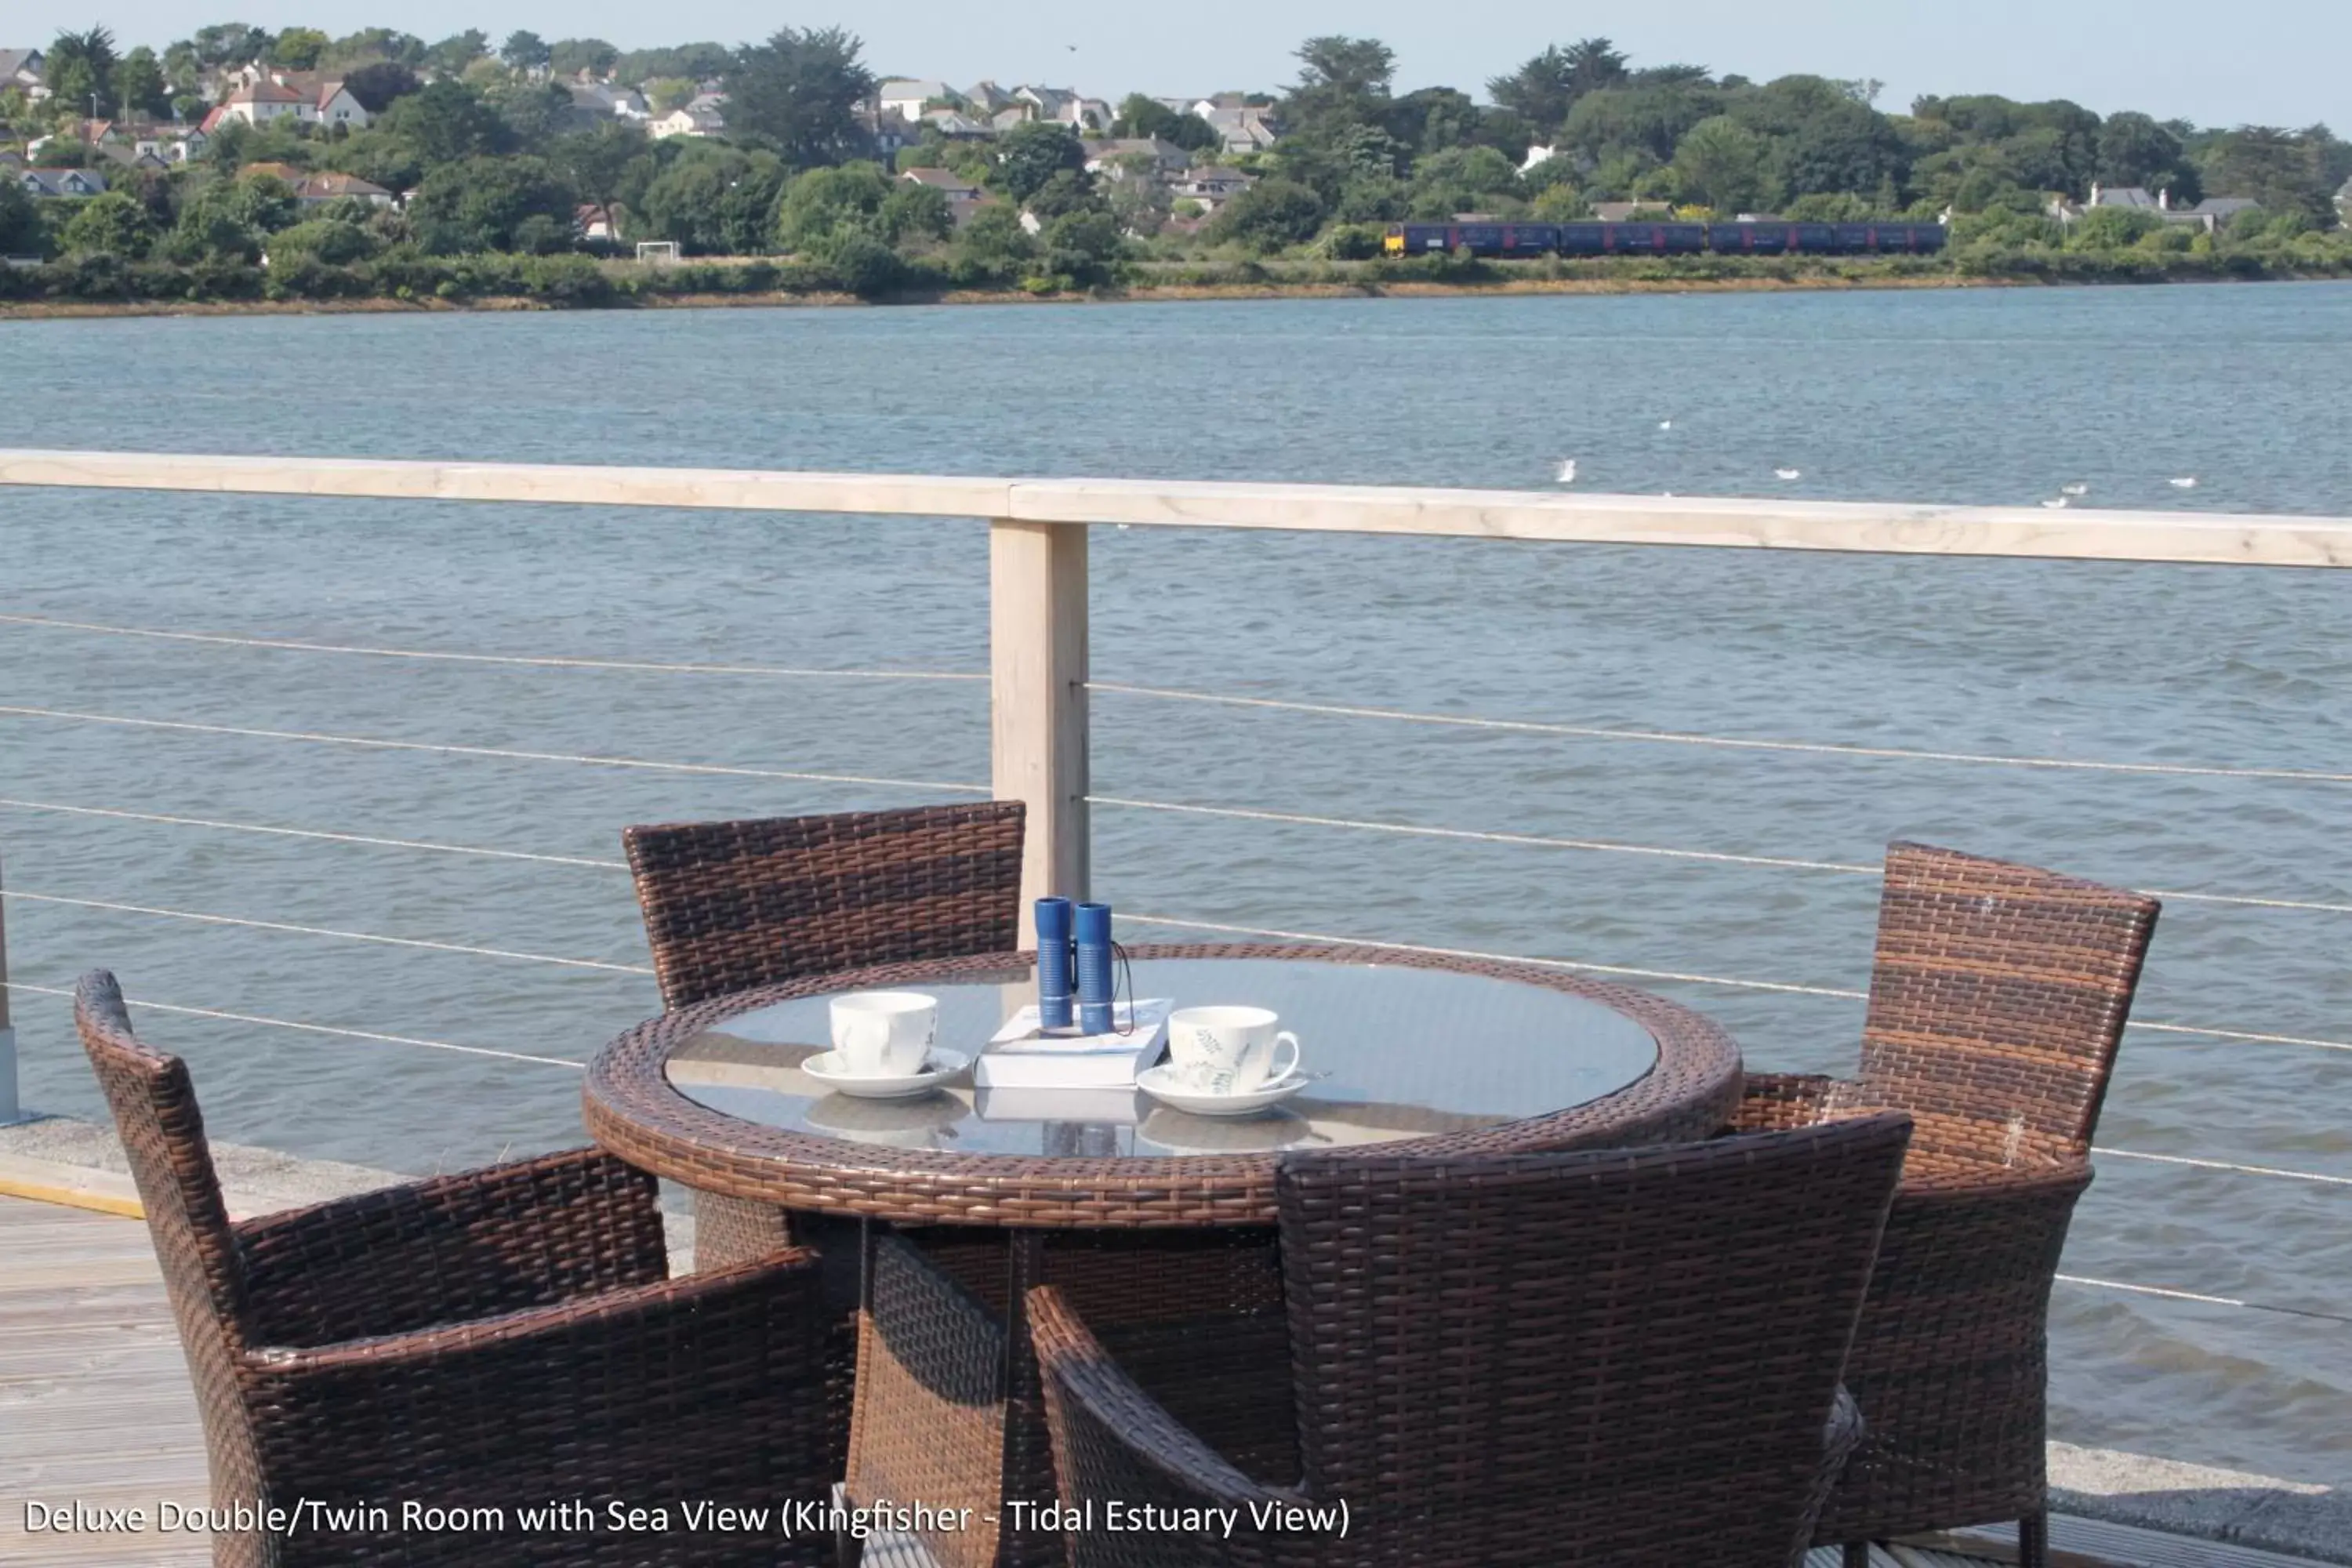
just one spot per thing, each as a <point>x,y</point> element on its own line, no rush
<point>1053,999</point>
<point>1094,955</point>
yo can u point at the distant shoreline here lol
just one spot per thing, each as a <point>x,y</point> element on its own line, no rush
<point>74,310</point>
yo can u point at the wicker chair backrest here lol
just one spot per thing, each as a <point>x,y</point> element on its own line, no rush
<point>2000,992</point>
<point>163,1132</point>
<point>730,905</point>
<point>1593,1357</point>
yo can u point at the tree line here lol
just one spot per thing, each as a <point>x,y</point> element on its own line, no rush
<point>496,159</point>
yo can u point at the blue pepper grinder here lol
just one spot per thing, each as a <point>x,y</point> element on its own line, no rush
<point>1094,955</point>
<point>1053,961</point>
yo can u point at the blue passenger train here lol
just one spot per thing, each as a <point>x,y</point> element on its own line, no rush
<point>1749,237</point>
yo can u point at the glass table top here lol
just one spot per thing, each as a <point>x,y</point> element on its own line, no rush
<point>1400,1051</point>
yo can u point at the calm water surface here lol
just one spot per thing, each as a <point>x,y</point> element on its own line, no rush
<point>1993,396</point>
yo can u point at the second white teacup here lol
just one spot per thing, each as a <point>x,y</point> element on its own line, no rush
<point>884,1034</point>
<point>1230,1051</point>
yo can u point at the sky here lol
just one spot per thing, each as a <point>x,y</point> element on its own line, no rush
<point>2282,62</point>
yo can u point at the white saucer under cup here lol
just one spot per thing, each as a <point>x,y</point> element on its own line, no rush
<point>940,1069</point>
<point>1168,1084</point>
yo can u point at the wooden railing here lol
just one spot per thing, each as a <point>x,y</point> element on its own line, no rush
<point>1037,555</point>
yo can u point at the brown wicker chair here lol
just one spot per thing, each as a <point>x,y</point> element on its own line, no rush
<point>731,905</point>
<point>1998,999</point>
<point>1613,1358</point>
<point>494,1339</point>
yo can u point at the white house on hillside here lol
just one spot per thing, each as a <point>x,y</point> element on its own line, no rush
<point>909,97</point>
<point>22,68</point>
<point>690,121</point>
<point>257,102</point>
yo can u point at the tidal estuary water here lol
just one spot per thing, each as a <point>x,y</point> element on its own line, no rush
<point>1993,396</point>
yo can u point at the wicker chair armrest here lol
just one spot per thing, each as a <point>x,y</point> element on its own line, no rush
<point>712,1381</point>
<point>1776,1101</point>
<point>1840,1436</point>
<point>1097,1406</point>
<point>453,1249</point>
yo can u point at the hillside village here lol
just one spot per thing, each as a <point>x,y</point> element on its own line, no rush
<point>338,162</point>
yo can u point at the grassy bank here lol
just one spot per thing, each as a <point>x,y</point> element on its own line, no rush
<point>100,285</point>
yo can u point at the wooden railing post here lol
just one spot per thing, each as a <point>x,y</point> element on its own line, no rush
<point>1037,699</point>
<point>11,1108</point>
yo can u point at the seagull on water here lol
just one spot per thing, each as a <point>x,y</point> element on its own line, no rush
<point>2074,489</point>
<point>1666,424</point>
<point>1567,474</point>
<point>2186,482</point>
<point>2056,504</point>
<point>1787,473</point>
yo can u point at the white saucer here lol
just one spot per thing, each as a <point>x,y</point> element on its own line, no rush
<point>943,1065</point>
<point>1162,1084</point>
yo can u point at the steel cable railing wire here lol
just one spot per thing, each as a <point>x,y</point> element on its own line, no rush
<point>370,1034</point>
<point>1235,700</point>
<point>1596,845</point>
<point>475,951</point>
<point>1625,971</point>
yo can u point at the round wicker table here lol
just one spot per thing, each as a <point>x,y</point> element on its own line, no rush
<point>1456,1055</point>
<point>936,1215</point>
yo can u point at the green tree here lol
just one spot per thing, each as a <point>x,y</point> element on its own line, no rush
<point>1085,248</point>
<point>378,83</point>
<point>22,233</point>
<point>714,200</point>
<point>525,51</point>
<point>1069,191</point>
<point>263,202</point>
<point>445,122</point>
<point>569,57</point>
<point>1544,89</point>
<point>696,62</point>
<point>597,163</point>
<point>1648,120</point>
<point>668,93</point>
<point>298,49</point>
<point>374,43</point>
<point>333,242</point>
<point>112,224</point>
<point>139,85</point>
<point>2134,150</point>
<point>1270,214</point>
<point>824,202</point>
<point>1341,81</point>
<point>2111,228</point>
<point>2286,171</point>
<point>1463,179</point>
<point>1822,139</point>
<point>1142,116</point>
<point>1720,163</point>
<point>536,112</point>
<point>993,240</point>
<point>800,90</point>
<point>483,204</point>
<point>1031,154</point>
<point>1435,118</point>
<point>81,71</point>
<point>453,54</point>
<point>1595,63</point>
<point>915,214</point>
<point>230,44</point>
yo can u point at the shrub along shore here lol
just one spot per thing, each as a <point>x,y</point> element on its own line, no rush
<point>97,285</point>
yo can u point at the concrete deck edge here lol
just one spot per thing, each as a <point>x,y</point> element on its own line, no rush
<point>71,1159</point>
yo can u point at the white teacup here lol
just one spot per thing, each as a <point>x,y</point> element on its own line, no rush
<point>884,1034</point>
<point>1230,1051</point>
